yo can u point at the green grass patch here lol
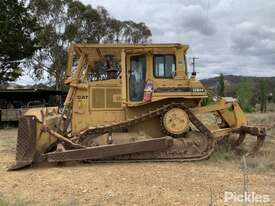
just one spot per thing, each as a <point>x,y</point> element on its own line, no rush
<point>16,202</point>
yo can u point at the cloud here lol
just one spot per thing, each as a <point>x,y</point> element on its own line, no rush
<point>253,39</point>
<point>230,37</point>
<point>194,18</point>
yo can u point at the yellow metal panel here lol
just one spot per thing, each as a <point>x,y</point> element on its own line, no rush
<point>37,112</point>
<point>98,98</point>
<point>44,139</point>
<point>69,61</point>
<point>113,98</point>
<point>180,65</point>
<point>129,46</point>
<point>239,115</point>
<point>123,77</point>
<point>106,117</point>
<point>149,66</point>
<point>220,105</point>
<point>106,83</point>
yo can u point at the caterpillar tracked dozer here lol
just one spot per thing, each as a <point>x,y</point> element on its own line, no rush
<point>130,103</point>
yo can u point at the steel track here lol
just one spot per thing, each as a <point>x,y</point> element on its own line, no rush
<point>161,156</point>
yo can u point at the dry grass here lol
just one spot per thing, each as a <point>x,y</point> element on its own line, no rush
<point>15,202</point>
<point>267,119</point>
<point>264,160</point>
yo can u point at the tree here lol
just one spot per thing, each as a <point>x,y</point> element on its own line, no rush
<point>245,95</point>
<point>66,21</point>
<point>51,58</point>
<point>263,96</point>
<point>17,41</point>
<point>134,32</point>
<point>221,86</point>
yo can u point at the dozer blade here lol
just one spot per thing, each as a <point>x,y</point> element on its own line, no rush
<point>26,140</point>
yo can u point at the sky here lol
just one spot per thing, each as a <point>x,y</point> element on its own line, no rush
<point>228,36</point>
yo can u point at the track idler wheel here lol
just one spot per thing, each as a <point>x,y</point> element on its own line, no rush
<point>175,122</point>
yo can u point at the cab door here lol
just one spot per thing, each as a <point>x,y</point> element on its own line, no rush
<point>137,77</point>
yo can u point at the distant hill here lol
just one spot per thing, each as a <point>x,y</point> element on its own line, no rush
<point>234,80</point>
<point>231,83</point>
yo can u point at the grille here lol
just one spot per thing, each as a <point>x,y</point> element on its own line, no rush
<point>98,98</point>
<point>113,98</point>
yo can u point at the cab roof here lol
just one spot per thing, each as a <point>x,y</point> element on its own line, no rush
<point>151,45</point>
<point>95,51</point>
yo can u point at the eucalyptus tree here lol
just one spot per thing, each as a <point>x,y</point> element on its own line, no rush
<point>66,21</point>
<point>17,39</point>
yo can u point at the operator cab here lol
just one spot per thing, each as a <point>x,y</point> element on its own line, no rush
<point>141,73</point>
<point>164,67</point>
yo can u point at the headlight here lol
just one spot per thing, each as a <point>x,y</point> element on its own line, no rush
<point>198,90</point>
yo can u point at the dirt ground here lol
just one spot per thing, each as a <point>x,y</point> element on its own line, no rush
<point>136,183</point>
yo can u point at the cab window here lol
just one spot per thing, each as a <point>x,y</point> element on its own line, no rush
<point>164,66</point>
<point>137,77</point>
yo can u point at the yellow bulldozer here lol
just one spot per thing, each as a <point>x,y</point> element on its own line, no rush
<point>130,102</point>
